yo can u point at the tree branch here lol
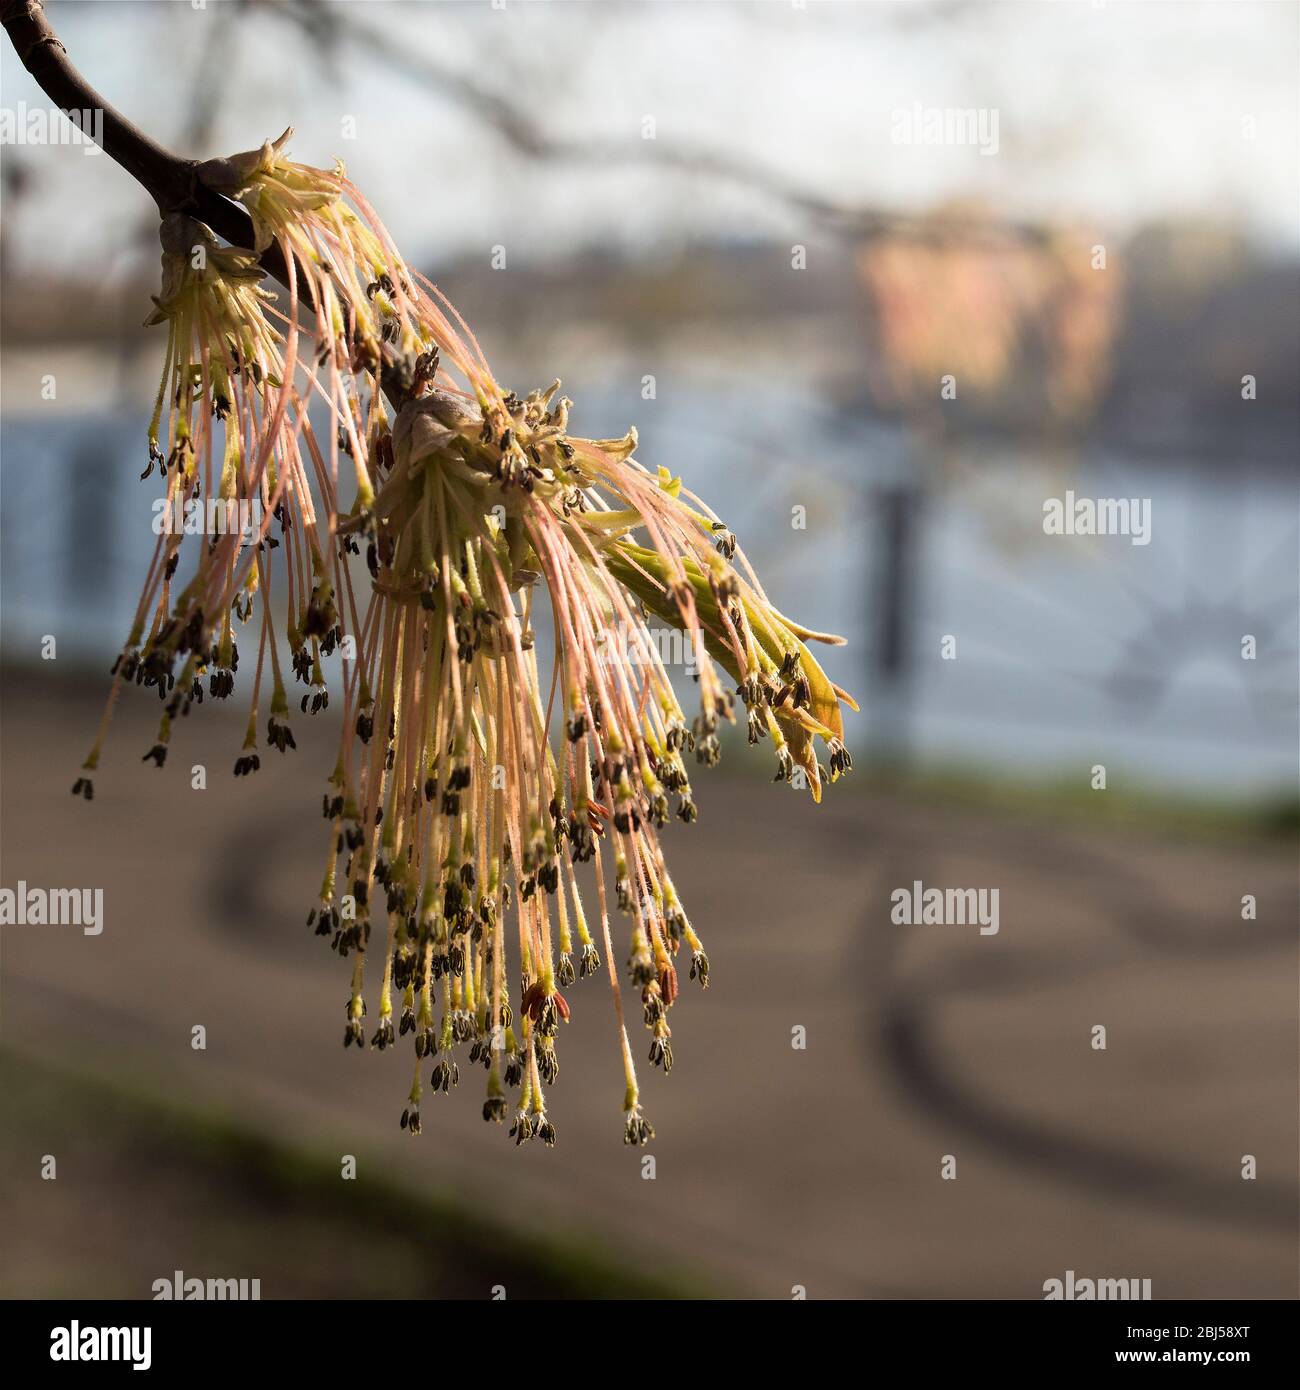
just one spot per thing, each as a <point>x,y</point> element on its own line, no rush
<point>171,181</point>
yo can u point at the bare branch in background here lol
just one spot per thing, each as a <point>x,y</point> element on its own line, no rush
<point>330,28</point>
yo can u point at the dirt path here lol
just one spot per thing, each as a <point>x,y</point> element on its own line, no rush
<point>775,1167</point>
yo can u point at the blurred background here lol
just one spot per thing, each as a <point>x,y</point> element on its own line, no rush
<point>728,224</point>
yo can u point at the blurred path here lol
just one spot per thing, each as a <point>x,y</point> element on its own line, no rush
<point>775,1167</point>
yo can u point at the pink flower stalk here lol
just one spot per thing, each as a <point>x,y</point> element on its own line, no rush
<point>457,825</point>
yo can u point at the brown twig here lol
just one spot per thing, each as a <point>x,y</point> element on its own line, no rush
<point>171,181</point>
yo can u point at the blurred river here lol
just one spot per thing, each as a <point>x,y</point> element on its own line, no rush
<point>1069,651</point>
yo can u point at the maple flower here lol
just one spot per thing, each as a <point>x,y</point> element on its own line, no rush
<point>476,782</point>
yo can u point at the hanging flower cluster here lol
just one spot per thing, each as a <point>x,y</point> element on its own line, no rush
<point>421,521</point>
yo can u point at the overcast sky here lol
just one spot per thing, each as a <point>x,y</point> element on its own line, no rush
<point>1111,113</point>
